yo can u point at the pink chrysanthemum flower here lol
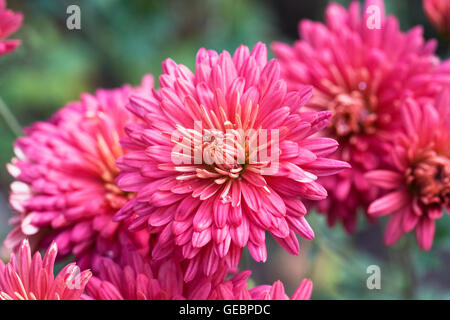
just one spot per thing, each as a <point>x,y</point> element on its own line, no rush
<point>65,170</point>
<point>9,23</point>
<point>438,12</point>
<point>419,183</point>
<point>32,278</point>
<point>199,161</point>
<point>134,278</point>
<point>276,291</point>
<point>361,67</point>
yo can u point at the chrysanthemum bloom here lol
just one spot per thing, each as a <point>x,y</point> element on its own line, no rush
<point>134,278</point>
<point>361,67</point>
<point>419,184</point>
<point>65,170</point>
<point>200,163</point>
<point>438,12</point>
<point>9,23</point>
<point>32,278</point>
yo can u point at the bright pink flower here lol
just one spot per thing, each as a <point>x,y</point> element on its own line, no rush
<point>276,291</point>
<point>65,170</point>
<point>419,183</point>
<point>213,205</point>
<point>134,278</point>
<point>361,67</point>
<point>32,278</point>
<point>9,23</point>
<point>438,11</point>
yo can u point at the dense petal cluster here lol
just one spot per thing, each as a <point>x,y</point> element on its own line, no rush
<point>419,184</point>
<point>361,68</point>
<point>136,278</point>
<point>221,156</point>
<point>438,11</point>
<point>32,278</point>
<point>9,23</point>
<point>65,170</point>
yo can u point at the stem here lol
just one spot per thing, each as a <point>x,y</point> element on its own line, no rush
<point>10,119</point>
<point>245,261</point>
<point>448,49</point>
<point>407,264</point>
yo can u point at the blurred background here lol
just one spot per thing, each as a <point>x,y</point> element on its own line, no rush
<point>122,40</point>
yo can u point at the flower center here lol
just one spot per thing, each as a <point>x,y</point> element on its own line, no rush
<point>108,153</point>
<point>224,156</point>
<point>224,153</point>
<point>352,115</point>
<point>115,197</point>
<point>225,149</point>
<point>430,180</point>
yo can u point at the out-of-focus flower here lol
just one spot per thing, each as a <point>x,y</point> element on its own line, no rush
<point>136,278</point>
<point>438,11</point>
<point>9,23</point>
<point>221,156</point>
<point>65,170</point>
<point>361,67</point>
<point>31,278</point>
<point>419,183</point>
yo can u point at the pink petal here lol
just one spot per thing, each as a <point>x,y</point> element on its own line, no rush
<point>390,203</point>
<point>425,233</point>
<point>384,178</point>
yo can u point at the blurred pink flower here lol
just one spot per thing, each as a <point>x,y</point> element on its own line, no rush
<point>135,278</point>
<point>212,207</point>
<point>438,12</point>
<point>65,170</point>
<point>9,23</point>
<point>32,278</point>
<point>361,67</point>
<point>419,184</point>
